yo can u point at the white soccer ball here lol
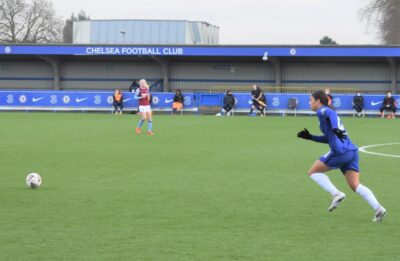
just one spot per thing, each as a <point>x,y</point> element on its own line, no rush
<point>33,180</point>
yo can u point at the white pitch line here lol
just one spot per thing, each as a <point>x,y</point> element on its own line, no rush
<point>363,149</point>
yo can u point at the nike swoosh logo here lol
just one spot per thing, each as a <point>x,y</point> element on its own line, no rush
<point>80,100</point>
<point>37,99</point>
<point>375,103</point>
<point>127,99</point>
<point>168,101</point>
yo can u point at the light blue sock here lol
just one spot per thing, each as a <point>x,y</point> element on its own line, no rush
<point>140,124</point>
<point>149,125</point>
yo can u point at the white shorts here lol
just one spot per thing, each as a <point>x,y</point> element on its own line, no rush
<point>146,108</point>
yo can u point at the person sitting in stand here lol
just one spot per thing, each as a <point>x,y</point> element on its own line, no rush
<point>118,101</point>
<point>229,103</point>
<point>358,103</point>
<point>388,104</point>
<point>259,101</point>
<point>177,104</point>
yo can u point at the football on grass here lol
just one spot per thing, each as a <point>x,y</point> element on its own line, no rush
<point>33,180</point>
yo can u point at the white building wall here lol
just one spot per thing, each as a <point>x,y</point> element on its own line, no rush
<point>81,32</point>
<point>144,32</point>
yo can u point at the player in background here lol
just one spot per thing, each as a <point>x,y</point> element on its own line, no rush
<point>143,95</point>
<point>343,154</point>
<point>259,101</point>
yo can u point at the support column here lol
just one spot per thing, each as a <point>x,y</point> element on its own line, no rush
<point>165,71</point>
<point>276,61</point>
<point>55,65</point>
<point>393,74</point>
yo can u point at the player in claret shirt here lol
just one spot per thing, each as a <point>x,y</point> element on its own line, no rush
<point>143,95</point>
<point>343,154</point>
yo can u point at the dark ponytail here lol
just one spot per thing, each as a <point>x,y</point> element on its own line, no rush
<point>322,97</point>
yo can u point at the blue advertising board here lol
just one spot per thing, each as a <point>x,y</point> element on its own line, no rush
<point>82,100</point>
<point>102,101</point>
<point>280,101</point>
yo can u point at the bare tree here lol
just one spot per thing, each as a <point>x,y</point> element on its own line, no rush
<point>385,15</point>
<point>33,22</point>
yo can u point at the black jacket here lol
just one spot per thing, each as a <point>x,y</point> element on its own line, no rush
<point>388,102</point>
<point>179,98</point>
<point>229,100</point>
<point>258,94</point>
<point>358,101</point>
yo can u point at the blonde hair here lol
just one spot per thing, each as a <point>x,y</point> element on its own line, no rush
<point>144,83</point>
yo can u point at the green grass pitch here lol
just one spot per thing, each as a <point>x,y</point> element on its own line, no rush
<point>202,188</point>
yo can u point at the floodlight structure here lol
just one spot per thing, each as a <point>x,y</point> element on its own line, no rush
<point>123,32</point>
<point>265,57</point>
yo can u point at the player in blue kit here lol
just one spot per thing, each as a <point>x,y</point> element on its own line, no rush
<point>343,154</point>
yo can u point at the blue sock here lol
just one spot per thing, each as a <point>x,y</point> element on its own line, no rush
<point>149,125</point>
<point>140,124</point>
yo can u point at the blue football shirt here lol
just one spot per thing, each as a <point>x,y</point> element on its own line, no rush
<point>329,120</point>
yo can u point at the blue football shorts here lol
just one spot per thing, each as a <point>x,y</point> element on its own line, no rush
<point>343,161</point>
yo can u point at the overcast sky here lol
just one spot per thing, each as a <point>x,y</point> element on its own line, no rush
<point>245,21</point>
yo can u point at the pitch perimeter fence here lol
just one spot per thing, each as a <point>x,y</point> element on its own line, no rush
<point>28,100</point>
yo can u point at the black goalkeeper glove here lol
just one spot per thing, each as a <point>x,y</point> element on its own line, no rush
<point>304,134</point>
<point>340,134</point>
